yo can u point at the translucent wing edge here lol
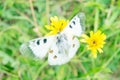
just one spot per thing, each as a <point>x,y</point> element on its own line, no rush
<point>25,50</point>
<point>81,16</point>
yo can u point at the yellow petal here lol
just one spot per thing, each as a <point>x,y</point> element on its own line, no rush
<point>83,40</point>
<point>50,33</point>
<point>56,25</point>
<point>98,33</point>
<point>47,26</point>
<point>91,33</point>
<point>103,36</point>
<point>55,18</point>
<point>84,36</point>
<point>100,50</point>
<point>95,42</point>
<point>94,53</point>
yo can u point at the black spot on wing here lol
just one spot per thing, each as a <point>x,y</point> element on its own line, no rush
<point>70,26</point>
<point>73,22</point>
<point>44,40</point>
<point>38,42</point>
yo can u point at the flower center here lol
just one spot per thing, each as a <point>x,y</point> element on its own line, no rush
<point>94,42</point>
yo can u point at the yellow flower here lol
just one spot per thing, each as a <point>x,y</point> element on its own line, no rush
<point>56,25</point>
<point>95,42</point>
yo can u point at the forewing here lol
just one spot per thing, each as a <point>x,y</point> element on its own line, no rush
<point>39,46</point>
<point>76,26</point>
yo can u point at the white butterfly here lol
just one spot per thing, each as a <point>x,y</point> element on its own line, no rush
<point>61,47</point>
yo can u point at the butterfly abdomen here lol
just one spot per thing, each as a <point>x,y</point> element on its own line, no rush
<point>62,44</point>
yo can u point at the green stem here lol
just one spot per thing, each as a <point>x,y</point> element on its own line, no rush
<point>93,62</point>
<point>81,53</point>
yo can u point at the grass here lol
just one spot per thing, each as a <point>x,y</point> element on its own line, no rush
<point>21,21</point>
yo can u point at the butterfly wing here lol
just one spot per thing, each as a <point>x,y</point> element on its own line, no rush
<point>55,57</point>
<point>58,55</point>
<point>76,26</point>
<point>58,52</point>
<point>39,46</point>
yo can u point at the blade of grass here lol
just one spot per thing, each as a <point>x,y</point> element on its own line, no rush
<point>39,70</point>
<point>96,21</point>
<point>110,59</point>
<point>34,18</point>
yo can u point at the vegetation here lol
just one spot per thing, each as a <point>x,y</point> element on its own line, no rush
<point>23,20</point>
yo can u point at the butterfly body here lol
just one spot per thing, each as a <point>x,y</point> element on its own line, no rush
<point>64,50</point>
<point>60,47</point>
<point>62,43</point>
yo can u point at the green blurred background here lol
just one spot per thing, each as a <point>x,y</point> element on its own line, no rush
<point>22,20</point>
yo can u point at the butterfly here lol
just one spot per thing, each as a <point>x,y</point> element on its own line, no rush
<point>61,47</point>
